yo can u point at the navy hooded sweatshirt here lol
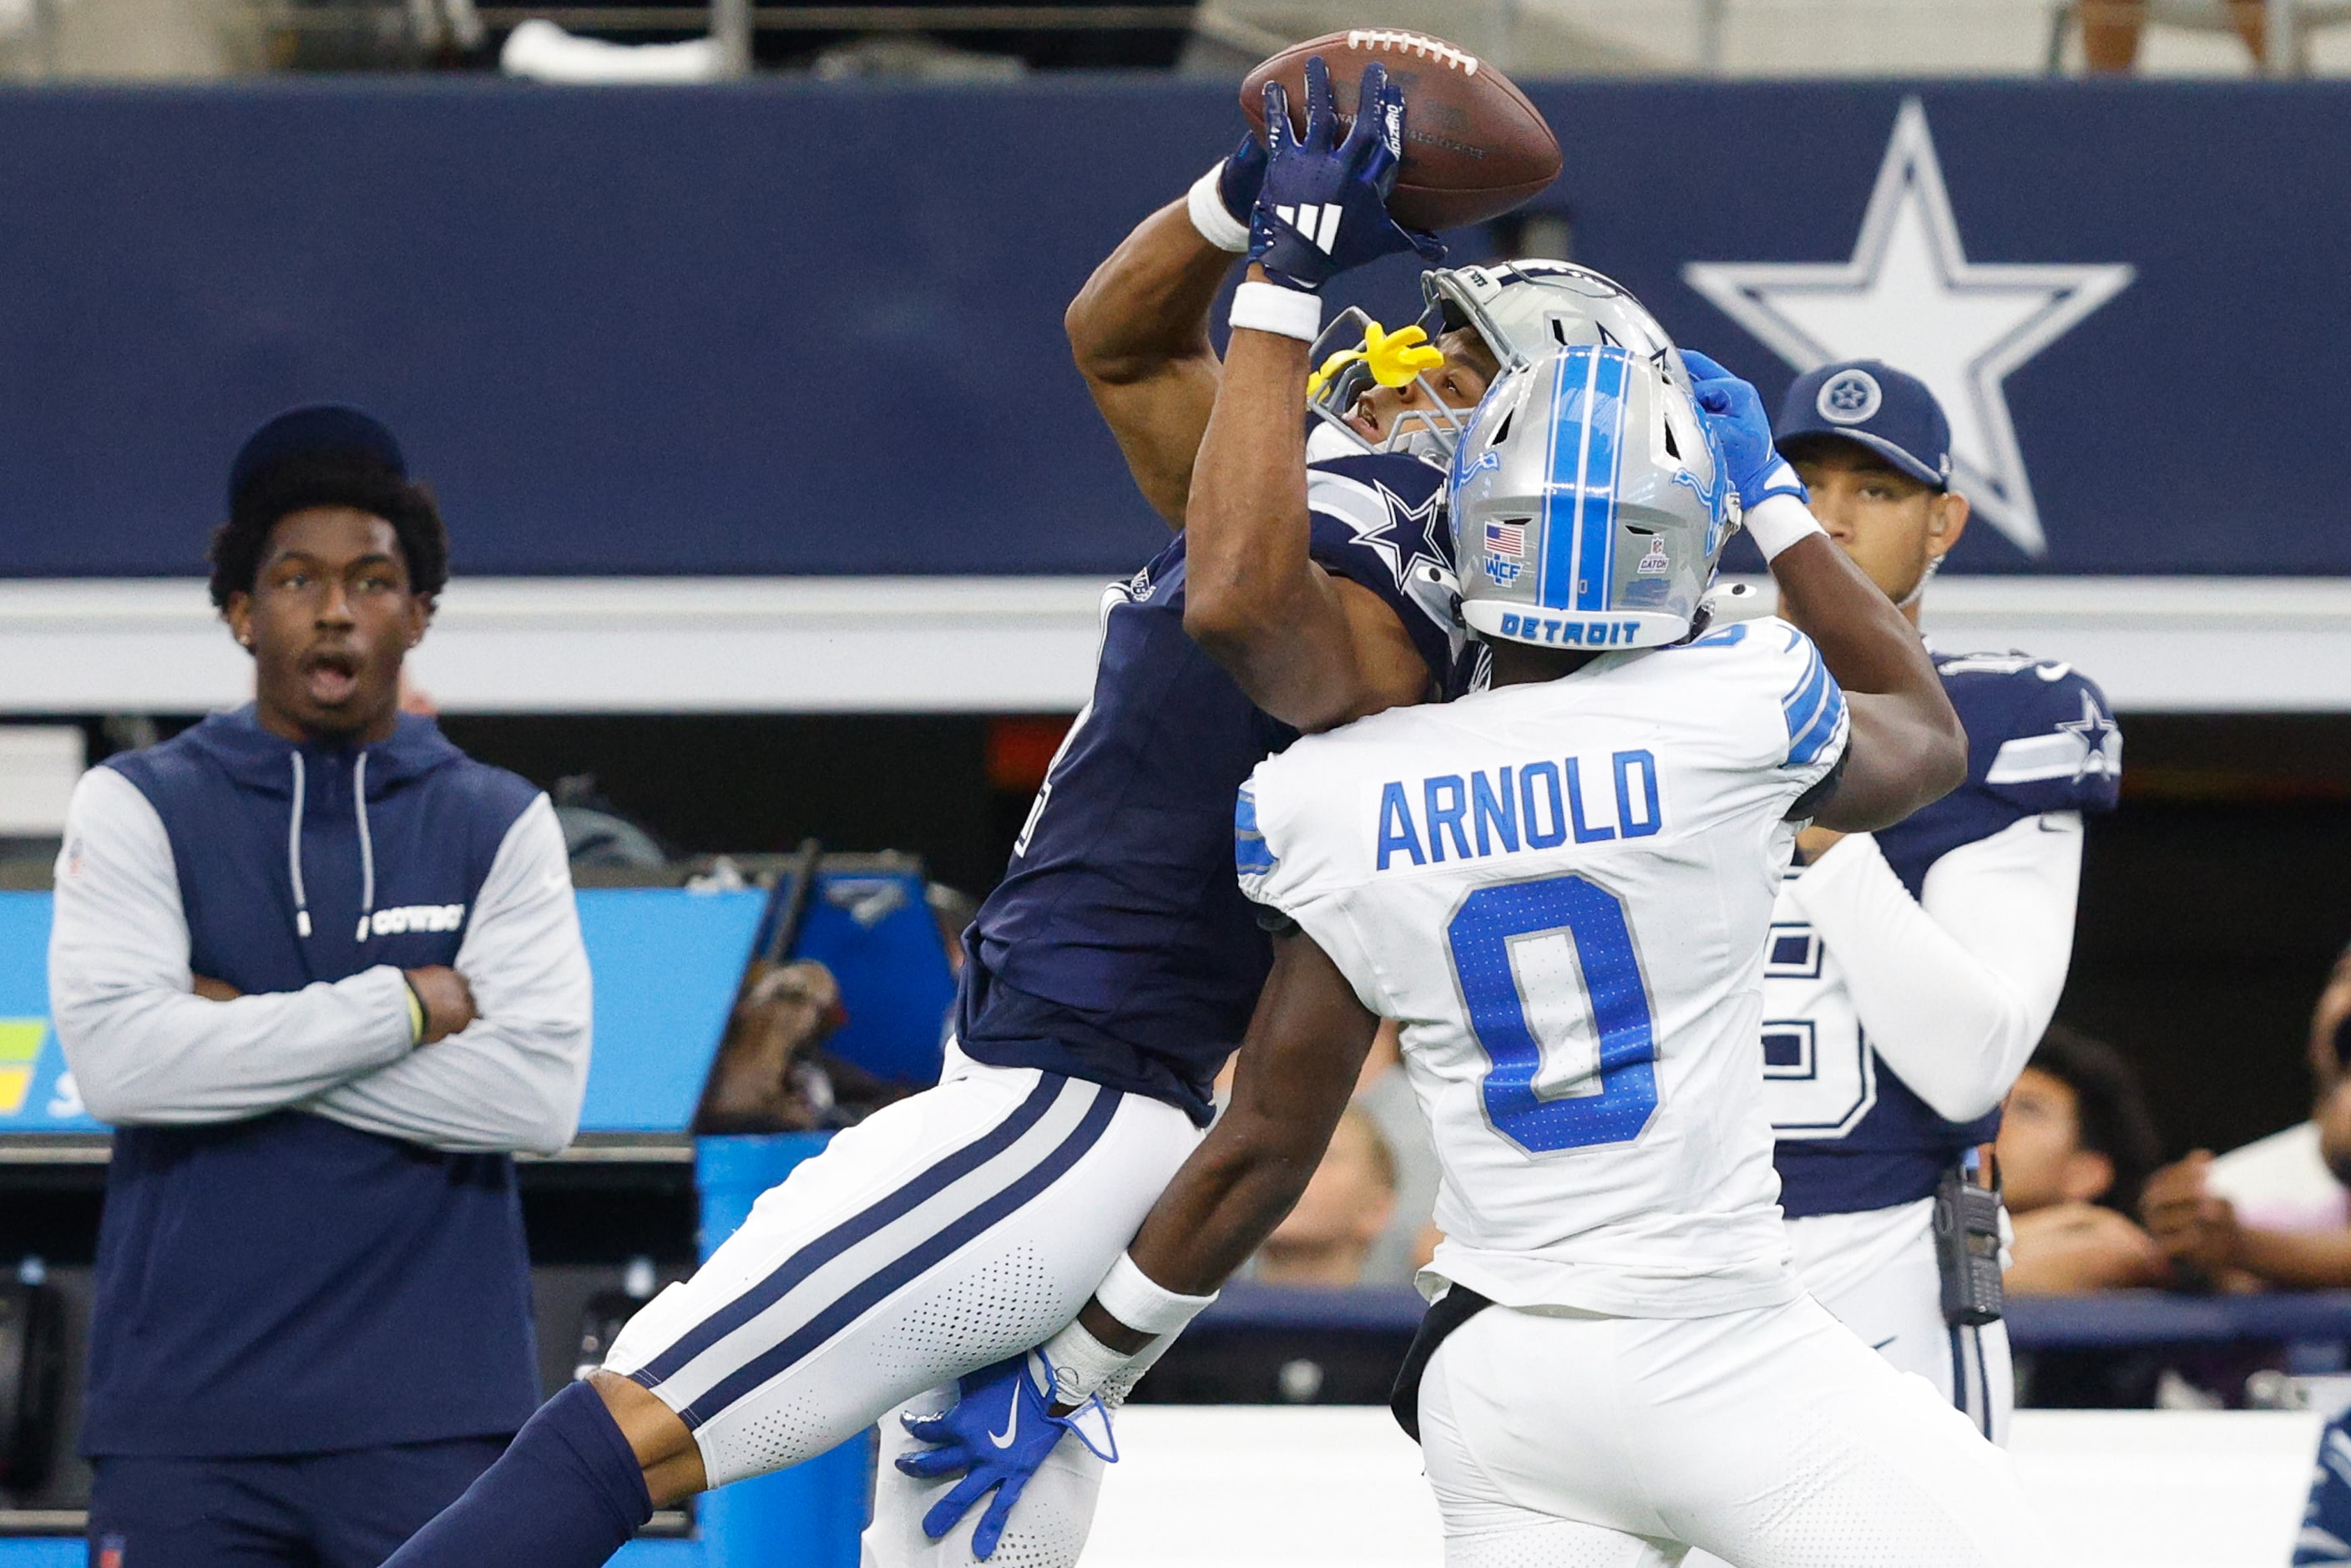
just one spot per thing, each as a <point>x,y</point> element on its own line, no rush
<point>311,1239</point>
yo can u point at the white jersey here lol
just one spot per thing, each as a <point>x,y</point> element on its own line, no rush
<point>1562,890</point>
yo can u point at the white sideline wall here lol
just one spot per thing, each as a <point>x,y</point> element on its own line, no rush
<point>1014,644</point>
<point>1267,1487</point>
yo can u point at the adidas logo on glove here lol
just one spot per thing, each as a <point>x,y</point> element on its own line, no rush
<point>1318,223</point>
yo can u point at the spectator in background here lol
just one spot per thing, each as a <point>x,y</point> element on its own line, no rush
<point>1384,1091</point>
<point>2111,31</point>
<point>322,971</point>
<point>2271,1213</point>
<point>2289,1181</point>
<point>2075,1143</point>
<point>1326,1239</point>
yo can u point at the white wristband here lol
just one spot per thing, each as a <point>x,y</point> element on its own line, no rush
<point>1270,307</point>
<point>1082,1365</point>
<point>1206,203</point>
<point>1779,521</point>
<point>1142,1304</point>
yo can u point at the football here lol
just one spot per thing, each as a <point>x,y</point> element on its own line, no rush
<point>1474,148</point>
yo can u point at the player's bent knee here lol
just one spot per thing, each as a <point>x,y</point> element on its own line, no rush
<point>666,1450</point>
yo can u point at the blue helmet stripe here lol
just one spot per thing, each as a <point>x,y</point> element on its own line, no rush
<point>1564,466</point>
<point>1587,438</point>
<point>1595,545</point>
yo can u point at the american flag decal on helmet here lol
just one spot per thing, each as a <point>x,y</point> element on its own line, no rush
<point>1507,539</point>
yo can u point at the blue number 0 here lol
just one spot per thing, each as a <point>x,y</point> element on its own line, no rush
<point>1481,933</point>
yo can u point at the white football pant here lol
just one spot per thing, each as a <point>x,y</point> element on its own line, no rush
<point>1770,1437</point>
<point>949,1230</point>
<point>1876,1271</point>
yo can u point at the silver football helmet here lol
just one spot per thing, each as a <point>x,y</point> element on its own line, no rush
<point>1590,503</point>
<point>1528,310</point>
<point>1523,310</point>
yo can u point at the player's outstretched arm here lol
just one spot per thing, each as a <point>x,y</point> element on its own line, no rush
<point>1306,1044</point>
<point>1139,328</point>
<point>1305,1047</point>
<point>1907,748</point>
<point>1313,651</point>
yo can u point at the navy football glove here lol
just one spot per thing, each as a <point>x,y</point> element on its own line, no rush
<point>1240,178</point>
<point>1734,411</point>
<point>1323,210</point>
<point>996,1435</point>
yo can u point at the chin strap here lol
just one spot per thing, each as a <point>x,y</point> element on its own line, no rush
<point>1934,565</point>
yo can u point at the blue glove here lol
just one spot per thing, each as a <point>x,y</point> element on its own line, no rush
<point>1323,210</point>
<point>995,1436</point>
<point>1734,411</point>
<point>1241,178</point>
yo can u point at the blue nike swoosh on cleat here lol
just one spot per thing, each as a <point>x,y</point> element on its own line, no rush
<point>1889,1339</point>
<point>1011,1424</point>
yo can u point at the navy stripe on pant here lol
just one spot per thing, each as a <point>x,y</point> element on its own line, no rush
<point>950,1235</point>
<point>853,1230</point>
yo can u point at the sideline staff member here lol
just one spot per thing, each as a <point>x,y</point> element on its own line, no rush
<point>323,972</point>
<point>1913,970</point>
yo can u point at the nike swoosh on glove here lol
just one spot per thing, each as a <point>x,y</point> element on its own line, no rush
<point>996,1435</point>
<point>1323,209</point>
<point>1733,410</point>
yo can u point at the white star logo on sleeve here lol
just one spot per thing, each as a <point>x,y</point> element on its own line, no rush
<point>2076,749</point>
<point>1911,296</point>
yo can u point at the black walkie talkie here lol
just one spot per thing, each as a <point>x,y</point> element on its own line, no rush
<point>1967,1245</point>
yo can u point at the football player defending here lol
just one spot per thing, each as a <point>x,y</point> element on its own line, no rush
<point>1912,970</point>
<point>1561,887</point>
<point>1110,974</point>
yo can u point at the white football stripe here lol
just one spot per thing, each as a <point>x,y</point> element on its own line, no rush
<point>2029,758</point>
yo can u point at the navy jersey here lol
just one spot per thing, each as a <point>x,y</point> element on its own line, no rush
<point>1118,947</point>
<point>2039,740</point>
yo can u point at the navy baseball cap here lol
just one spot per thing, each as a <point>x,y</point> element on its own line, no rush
<point>318,430</point>
<point>1871,402</point>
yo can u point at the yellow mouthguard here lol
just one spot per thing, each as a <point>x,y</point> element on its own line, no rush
<point>1395,358</point>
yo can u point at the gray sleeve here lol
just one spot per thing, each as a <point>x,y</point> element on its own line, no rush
<point>142,1047</point>
<point>513,1079</point>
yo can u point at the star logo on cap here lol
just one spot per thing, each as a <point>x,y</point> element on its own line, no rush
<point>1910,295</point>
<point>1850,397</point>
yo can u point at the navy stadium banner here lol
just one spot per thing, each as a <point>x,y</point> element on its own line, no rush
<point>794,327</point>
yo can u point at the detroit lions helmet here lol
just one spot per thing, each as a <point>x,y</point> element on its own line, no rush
<point>1589,501</point>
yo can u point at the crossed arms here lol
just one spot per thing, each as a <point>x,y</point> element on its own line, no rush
<point>147,1049</point>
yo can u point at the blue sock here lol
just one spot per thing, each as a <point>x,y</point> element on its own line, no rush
<point>568,1493</point>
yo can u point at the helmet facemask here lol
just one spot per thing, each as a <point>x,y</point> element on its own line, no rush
<point>1347,364</point>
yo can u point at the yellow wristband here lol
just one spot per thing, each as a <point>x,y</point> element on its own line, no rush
<point>415,1011</point>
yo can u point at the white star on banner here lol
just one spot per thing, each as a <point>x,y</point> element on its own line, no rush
<point>1911,296</point>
